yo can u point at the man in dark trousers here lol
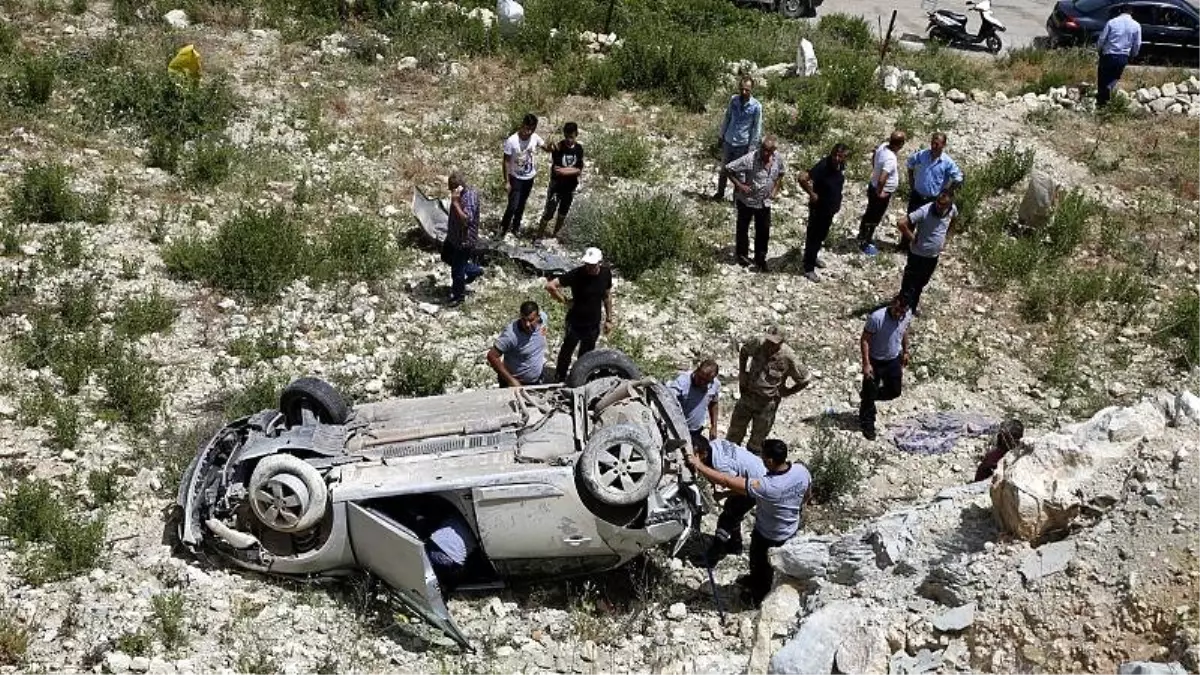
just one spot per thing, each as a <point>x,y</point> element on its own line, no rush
<point>927,229</point>
<point>823,183</point>
<point>591,289</point>
<point>884,349</point>
<point>1120,41</point>
<point>756,178</point>
<point>930,172</point>
<point>885,178</point>
<point>462,234</point>
<point>566,167</point>
<point>731,459</point>
<point>779,497</point>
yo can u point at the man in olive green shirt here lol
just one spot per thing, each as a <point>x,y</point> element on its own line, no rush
<point>764,366</point>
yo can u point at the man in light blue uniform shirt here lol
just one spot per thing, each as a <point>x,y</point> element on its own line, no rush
<point>779,497</point>
<point>884,350</point>
<point>1120,41</point>
<point>734,460</point>
<point>930,172</point>
<point>697,393</point>
<point>927,229</point>
<point>519,354</point>
<point>741,130</point>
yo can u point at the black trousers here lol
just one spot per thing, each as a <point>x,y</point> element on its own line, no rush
<point>1108,72</point>
<point>728,536</point>
<point>886,385</point>
<point>583,337</point>
<point>516,205</point>
<point>819,222</point>
<point>915,201</point>
<point>762,232</point>
<point>762,576</point>
<point>558,198</point>
<point>917,273</point>
<point>876,208</point>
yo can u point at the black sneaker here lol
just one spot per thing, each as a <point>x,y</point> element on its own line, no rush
<point>869,434</point>
<point>744,261</point>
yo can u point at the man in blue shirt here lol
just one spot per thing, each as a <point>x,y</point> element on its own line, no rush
<point>741,130</point>
<point>519,354</point>
<point>927,229</point>
<point>697,393</point>
<point>779,498</point>
<point>884,349</point>
<point>930,172</point>
<point>731,459</point>
<point>1118,42</point>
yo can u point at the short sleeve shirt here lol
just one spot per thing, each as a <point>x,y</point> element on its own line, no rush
<point>767,374</point>
<point>929,236</point>
<point>761,176</point>
<point>524,353</point>
<point>828,181</point>
<point>732,459</point>
<point>587,295</point>
<point>887,334</point>
<point>885,163</point>
<point>523,165</point>
<point>695,400</point>
<point>778,499</point>
<point>567,158</point>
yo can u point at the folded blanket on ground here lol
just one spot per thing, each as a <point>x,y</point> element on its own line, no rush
<point>936,433</point>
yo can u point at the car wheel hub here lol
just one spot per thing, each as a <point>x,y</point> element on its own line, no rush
<point>622,468</point>
<point>281,501</point>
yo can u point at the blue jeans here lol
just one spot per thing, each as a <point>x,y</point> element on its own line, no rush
<point>516,205</point>
<point>462,270</point>
<point>1108,71</point>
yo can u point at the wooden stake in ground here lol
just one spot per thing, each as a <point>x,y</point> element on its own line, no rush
<point>887,41</point>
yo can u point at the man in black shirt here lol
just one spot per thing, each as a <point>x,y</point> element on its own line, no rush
<point>823,183</point>
<point>567,165</point>
<point>591,288</point>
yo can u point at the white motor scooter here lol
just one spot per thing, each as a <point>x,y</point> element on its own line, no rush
<point>950,28</point>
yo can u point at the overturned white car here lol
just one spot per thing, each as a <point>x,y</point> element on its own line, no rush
<point>554,480</point>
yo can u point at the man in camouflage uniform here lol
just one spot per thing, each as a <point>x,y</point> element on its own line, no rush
<point>764,366</point>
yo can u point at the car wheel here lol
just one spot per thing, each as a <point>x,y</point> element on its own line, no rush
<point>316,396</point>
<point>287,494</point>
<point>601,363</point>
<point>993,44</point>
<point>620,465</point>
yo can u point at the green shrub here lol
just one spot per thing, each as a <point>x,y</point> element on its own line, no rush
<point>834,467</point>
<point>677,67</point>
<point>947,67</point>
<point>78,305</point>
<point>256,253</point>
<point>209,162</point>
<point>357,248</point>
<point>168,619</point>
<point>163,153</point>
<point>136,317</point>
<point>848,30</point>
<point>65,248</point>
<point>641,233</point>
<point>78,7</point>
<point>420,373</point>
<point>266,346</point>
<point>131,386</point>
<point>1006,167</point>
<point>188,259</point>
<point>261,394</point>
<point>135,643</point>
<point>14,638</point>
<point>848,78</point>
<point>10,37</point>
<point>34,81</point>
<point>168,111</point>
<point>64,429</point>
<point>73,358</point>
<point>31,513</point>
<point>622,154</point>
<point>1179,328</point>
<point>807,122</point>
<point>1068,228</point>
<point>76,546</point>
<point>104,484</point>
<point>43,195</point>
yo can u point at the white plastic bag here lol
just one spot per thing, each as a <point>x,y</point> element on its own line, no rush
<point>510,14</point>
<point>806,59</point>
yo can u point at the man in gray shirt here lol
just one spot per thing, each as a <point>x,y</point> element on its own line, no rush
<point>884,349</point>
<point>928,228</point>
<point>779,498</point>
<point>756,178</point>
<point>519,353</point>
<point>734,460</point>
<point>697,393</point>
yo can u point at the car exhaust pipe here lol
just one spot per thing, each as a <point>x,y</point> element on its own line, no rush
<point>238,540</point>
<point>620,392</point>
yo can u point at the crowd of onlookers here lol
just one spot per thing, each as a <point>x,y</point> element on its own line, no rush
<point>757,475</point>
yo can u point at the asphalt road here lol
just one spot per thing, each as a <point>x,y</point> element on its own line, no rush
<point>1024,20</point>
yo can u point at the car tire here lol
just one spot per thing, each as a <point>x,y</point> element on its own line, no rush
<point>316,395</point>
<point>287,494</point>
<point>620,465</point>
<point>601,362</point>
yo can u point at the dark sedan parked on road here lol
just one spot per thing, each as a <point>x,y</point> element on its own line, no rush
<point>1170,28</point>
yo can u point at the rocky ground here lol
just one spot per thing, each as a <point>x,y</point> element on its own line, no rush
<point>359,136</point>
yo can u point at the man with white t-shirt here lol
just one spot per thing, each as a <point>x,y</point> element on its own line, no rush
<point>885,178</point>
<point>520,168</point>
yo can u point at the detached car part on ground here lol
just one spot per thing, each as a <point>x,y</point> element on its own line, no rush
<point>433,218</point>
<point>554,480</point>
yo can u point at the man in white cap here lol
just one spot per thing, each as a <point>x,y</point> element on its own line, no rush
<point>591,288</point>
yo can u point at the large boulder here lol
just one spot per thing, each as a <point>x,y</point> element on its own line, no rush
<point>822,635</point>
<point>1040,488</point>
<point>1041,196</point>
